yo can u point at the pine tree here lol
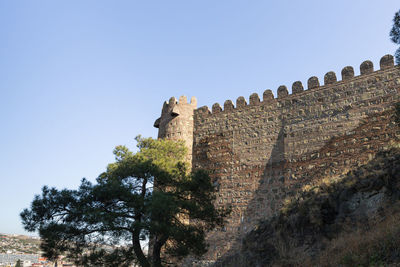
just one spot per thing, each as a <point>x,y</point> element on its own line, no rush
<point>126,207</point>
<point>395,34</point>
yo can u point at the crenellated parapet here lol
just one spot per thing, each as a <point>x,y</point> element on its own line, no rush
<point>313,84</point>
<point>173,107</point>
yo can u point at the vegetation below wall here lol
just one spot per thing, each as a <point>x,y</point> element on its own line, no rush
<point>344,221</point>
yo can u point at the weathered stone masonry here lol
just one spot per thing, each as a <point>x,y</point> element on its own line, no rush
<point>263,152</point>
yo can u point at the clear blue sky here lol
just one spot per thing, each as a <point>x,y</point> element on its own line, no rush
<point>79,77</point>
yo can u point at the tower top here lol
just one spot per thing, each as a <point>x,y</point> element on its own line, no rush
<point>176,121</point>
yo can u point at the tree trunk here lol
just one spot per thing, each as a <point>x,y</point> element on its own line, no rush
<point>138,251</point>
<point>135,234</point>
<point>156,259</point>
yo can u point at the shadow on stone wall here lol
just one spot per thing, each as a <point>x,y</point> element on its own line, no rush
<point>269,182</point>
<point>281,179</point>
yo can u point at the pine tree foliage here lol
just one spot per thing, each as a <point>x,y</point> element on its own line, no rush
<point>395,34</point>
<point>148,195</point>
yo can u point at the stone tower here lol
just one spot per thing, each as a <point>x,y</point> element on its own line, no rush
<point>176,122</point>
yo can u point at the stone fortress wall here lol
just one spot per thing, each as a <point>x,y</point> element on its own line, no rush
<point>261,153</point>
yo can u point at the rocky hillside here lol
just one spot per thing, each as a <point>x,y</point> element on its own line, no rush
<point>19,244</point>
<point>351,220</point>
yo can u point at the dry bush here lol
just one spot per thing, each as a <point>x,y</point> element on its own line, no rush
<point>373,244</point>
